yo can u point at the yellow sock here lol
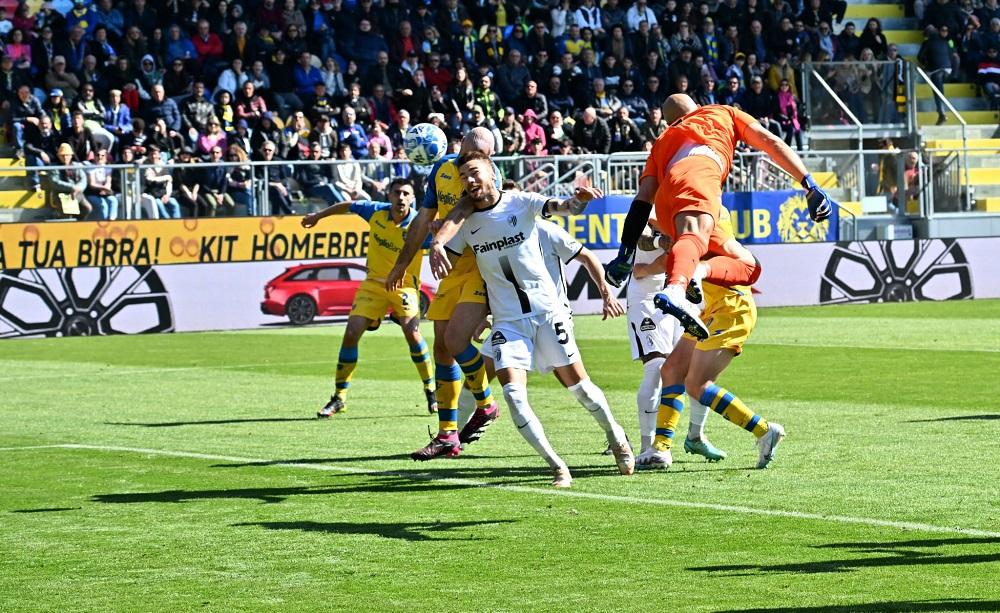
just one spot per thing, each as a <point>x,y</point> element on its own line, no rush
<point>347,361</point>
<point>474,368</point>
<point>726,403</point>
<point>422,360</point>
<point>449,385</point>
<point>671,407</point>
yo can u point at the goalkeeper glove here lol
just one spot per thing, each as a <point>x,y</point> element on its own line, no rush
<point>819,203</point>
<point>619,269</point>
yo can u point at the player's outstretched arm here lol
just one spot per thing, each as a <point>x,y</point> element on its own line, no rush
<point>619,269</point>
<point>575,204</point>
<point>339,208</point>
<point>759,137</point>
<point>415,238</point>
<point>612,308</point>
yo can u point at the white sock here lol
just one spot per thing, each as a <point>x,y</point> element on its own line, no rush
<point>648,401</point>
<point>527,423</point>
<point>466,406</point>
<point>592,399</point>
<point>696,425</point>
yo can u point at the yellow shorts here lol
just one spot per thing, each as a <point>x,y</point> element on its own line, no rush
<point>730,314</point>
<point>373,301</point>
<point>463,284</point>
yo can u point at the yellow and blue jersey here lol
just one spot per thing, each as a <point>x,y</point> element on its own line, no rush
<point>386,239</point>
<point>444,189</point>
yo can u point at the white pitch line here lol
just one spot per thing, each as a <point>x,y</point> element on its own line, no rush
<point>708,506</point>
<point>882,348</point>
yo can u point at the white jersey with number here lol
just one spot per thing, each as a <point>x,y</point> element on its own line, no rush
<point>504,239</point>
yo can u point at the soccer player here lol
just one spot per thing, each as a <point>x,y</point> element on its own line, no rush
<point>458,308</point>
<point>694,367</point>
<point>684,175</point>
<point>653,339</point>
<point>389,224</point>
<point>558,249</point>
<point>531,325</point>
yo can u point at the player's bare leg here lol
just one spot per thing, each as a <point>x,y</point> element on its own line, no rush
<point>347,361</point>
<point>693,230</point>
<point>574,377</point>
<point>448,379</point>
<point>458,339</point>
<point>515,393</point>
<point>705,368</point>
<point>420,357</point>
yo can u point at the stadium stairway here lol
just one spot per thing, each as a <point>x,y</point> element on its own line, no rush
<point>18,201</point>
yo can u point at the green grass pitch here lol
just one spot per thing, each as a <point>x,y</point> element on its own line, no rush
<point>186,471</point>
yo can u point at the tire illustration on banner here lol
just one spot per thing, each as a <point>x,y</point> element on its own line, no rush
<point>83,302</point>
<point>896,271</point>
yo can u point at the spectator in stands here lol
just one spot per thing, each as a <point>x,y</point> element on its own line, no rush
<point>232,78</point>
<point>25,111</point>
<point>161,107</point>
<point>159,185</point>
<point>315,177</point>
<point>733,92</point>
<point>760,104</point>
<point>187,182</point>
<point>533,100</point>
<point>58,78</point>
<point>40,148</point>
<point>487,99</point>
<point>939,61</point>
<point>625,135</point>
<point>213,197</point>
<point>283,85</point>
<point>276,178</point>
<point>93,115</point>
<point>590,133</point>
<point>68,185</point>
<point>988,74</point>
<point>512,134</point>
<point>239,180</point>
<point>653,126</point>
<point>98,192</point>
<point>849,42</point>
<point>80,138</point>
<point>781,71</point>
<point>638,13</point>
<point>873,38</point>
<point>209,48</point>
<point>347,177</point>
<point>212,138</point>
<point>117,119</point>
<point>558,97</point>
<point>788,114</point>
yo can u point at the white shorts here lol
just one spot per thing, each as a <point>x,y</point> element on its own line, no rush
<point>541,343</point>
<point>650,331</point>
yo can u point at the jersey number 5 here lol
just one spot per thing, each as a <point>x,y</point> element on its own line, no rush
<point>561,334</point>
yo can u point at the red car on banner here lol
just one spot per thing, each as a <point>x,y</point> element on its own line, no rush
<point>307,291</point>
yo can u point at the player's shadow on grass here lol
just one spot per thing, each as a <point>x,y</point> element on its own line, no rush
<point>902,606</point>
<point>886,554</point>
<point>982,417</point>
<point>353,459</point>
<point>271,495</point>
<point>47,510</point>
<point>414,531</point>
<point>207,422</point>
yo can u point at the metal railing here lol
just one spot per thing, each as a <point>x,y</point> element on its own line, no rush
<point>946,183</point>
<point>871,90</point>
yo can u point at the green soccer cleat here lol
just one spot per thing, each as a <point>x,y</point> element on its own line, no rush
<point>705,449</point>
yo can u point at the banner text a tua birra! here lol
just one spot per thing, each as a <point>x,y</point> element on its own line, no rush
<point>188,241</point>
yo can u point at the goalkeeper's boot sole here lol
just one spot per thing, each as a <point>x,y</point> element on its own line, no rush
<point>694,293</point>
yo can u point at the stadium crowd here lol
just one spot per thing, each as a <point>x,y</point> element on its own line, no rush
<point>189,80</point>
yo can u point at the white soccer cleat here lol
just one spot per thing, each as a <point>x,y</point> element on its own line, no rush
<point>673,301</point>
<point>654,459</point>
<point>561,477</point>
<point>622,450</point>
<point>768,443</point>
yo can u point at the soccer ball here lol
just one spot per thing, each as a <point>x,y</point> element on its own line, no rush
<point>424,143</point>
